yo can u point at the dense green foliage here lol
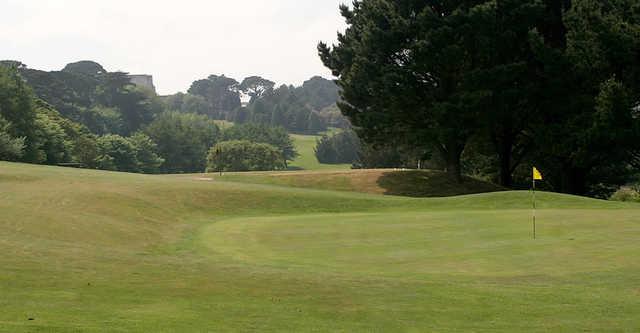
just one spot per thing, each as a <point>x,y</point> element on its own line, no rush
<point>183,140</point>
<point>340,148</point>
<point>309,108</point>
<point>219,92</point>
<point>258,133</point>
<point>547,82</point>
<point>242,155</point>
<point>188,103</point>
<point>106,102</point>
<point>38,133</point>
<point>103,117</point>
<point>134,154</point>
<point>304,109</point>
<point>10,147</point>
<point>18,110</point>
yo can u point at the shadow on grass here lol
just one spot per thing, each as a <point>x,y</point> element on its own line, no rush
<point>423,184</point>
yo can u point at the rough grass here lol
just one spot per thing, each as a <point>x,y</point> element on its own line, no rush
<point>411,183</point>
<point>92,251</point>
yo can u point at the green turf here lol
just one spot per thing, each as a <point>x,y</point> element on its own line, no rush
<point>92,251</point>
<point>307,160</point>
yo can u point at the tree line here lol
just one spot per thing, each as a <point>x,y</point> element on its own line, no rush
<point>504,84</point>
<point>310,108</point>
<point>143,136</point>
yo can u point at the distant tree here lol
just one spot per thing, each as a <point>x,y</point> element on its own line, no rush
<point>341,148</point>
<point>260,111</point>
<point>243,156</point>
<point>332,117</point>
<point>220,92</point>
<point>240,115</point>
<point>315,123</point>
<point>183,140</point>
<point>103,120</point>
<point>137,153</point>
<point>17,108</point>
<point>174,102</point>
<point>85,151</point>
<point>195,104</point>
<point>14,64</point>
<point>319,92</point>
<point>278,117</point>
<point>10,147</point>
<point>85,67</point>
<point>146,151</point>
<point>116,153</point>
<point>136,105</point>
<point>260,133</point>
<point>68,92</point>
<point>188,103</point>
<point>256,87</point>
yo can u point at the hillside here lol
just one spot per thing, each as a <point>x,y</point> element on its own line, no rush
<point>96,251</point>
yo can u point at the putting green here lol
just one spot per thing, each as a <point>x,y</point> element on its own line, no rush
<point>472,244</point>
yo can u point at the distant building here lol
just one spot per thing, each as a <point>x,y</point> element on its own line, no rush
<point>143,80</point>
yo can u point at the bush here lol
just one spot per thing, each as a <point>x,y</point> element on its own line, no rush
<point>183,140</point>
<point>242,155</point>
<point>10,148</point>
<point>116,153</point>
<point>258,133</point>
<point>137,153</point>
<point>628,194</point>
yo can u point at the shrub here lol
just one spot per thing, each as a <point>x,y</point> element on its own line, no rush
<point>242,155</point>
<point>183,140</point>
<point>628,194</point>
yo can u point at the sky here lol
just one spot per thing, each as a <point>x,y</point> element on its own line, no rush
<point>177,42</point>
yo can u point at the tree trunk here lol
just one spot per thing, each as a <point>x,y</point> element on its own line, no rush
<point>452,159</point>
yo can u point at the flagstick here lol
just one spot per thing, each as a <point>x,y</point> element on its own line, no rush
<point>534,208</point>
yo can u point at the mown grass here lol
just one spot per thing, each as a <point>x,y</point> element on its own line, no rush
<point>305,145</point>
<point>92,251</point>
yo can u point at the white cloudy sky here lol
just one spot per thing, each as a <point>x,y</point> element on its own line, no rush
<point>175,41</point>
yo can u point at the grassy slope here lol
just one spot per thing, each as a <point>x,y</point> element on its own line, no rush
<point>97,251</point>
<point>412,183</point>
<point>307,159</point>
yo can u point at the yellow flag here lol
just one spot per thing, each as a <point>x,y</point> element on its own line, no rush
<point>536,174</point>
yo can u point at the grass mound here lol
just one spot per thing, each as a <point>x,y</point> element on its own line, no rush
<point>411,183</point>
<point>95,251</point>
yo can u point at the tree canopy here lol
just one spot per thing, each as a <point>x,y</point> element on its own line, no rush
<point>537,80</point>
<point>242,155</point>
<point>261,133</point>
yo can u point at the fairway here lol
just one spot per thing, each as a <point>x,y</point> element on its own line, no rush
<point>93,251</point>
<point>305,145</point>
